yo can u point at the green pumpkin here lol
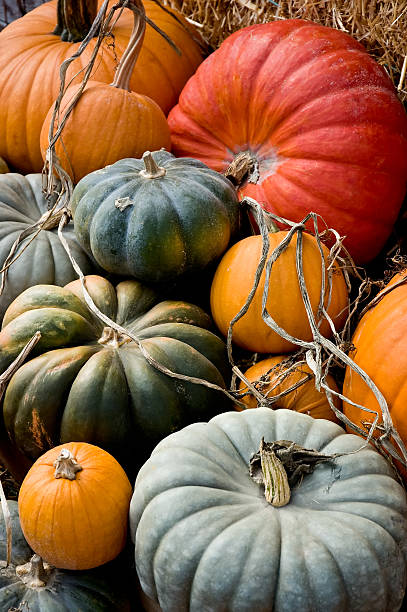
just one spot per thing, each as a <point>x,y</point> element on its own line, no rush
<point>206,539</point>
<point>89,384</point>
<point>156,218</point>
<point>22,204</point>
<point>59,590</point>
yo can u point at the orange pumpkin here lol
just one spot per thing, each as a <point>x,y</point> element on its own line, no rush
<point>31,55</point>
<point>380,349</point>
<point>109,122</point>
<point>73,506</point>
<point>274,376</point>
<point>234,279</point>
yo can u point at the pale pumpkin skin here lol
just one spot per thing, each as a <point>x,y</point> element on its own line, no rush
<point>206,540</point>
<point>233,281</point>
<point>81,523</point>
<point>306,398</point>
<point>101,590</point>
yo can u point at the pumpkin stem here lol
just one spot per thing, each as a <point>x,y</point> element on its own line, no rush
<point>244,167</point>
<point>66,465</point>
<point>33,573</point>
<point>280,466</point>
<point>75,18</point>
<point>113,338</point>
<point>151,169</point>
<point>273,476</point>
<point>131,53</point>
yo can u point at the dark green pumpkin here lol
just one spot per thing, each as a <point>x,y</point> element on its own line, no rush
<point>89,384</point>
<point>100,590</point>
<point>22,204</point>
<point>156,219</point>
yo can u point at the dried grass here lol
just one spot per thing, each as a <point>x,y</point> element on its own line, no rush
<point>379,24</point>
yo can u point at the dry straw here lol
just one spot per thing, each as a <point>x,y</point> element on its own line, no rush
<point>380,25</point>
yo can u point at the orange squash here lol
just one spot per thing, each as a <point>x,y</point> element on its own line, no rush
<point>234,279</point>
<point>32,52</point>
<point>73,506</point>
<point>273,376</point>
<point>109,122</point>
<point>380,349</point>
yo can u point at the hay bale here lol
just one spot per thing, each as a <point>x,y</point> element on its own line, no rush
<point>380,25</point>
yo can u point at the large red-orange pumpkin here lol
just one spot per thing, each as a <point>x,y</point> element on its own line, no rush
<point>233,281</point>
<point>380,349</point>
<point>31,56</point>
<point>318,117</point>
<point>73,506</point>
<point>276,375</point>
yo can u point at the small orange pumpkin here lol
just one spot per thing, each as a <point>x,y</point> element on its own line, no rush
<point>73,506</point>
<point>234,279</point>
<point>109,122</point>
<point>274,376</point>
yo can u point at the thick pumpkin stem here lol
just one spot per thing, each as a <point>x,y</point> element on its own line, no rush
<point>131,53</point>
<point>280,466</point>
<point>151,169</point>
<point>273,477</point>
<point>244,167</point>
<point>75,18</point>
<point>66,465</point>
<point>33,573</point>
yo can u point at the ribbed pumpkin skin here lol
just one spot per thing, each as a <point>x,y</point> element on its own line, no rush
<point>82,387</point>
<point>81,523</point>
<point>207,540</point>
<point>29,72</point>
<point>306,398</point>
<point>320,116</point>
<point>45,260</point>
<point>234,279</point>
<point>130,124</point>
<point>380,350</point>
<point>97,591</point>
<point>176,224</point>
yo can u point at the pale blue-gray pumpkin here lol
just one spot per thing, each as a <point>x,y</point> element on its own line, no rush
<point>84,382</point>
<point>206,540</point>
<point>100,590</point>
<point>22,204</point>
<point>155,218</point>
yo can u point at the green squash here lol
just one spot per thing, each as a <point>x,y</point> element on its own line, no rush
<point>206,539</point>
<point>3,166</point>
<point>86,383</point>
<point>22,204</point>
<point>156,218</point>
<point>101,590</point>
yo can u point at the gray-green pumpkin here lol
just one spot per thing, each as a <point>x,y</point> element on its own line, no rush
<point>206,539</point>
<point>31,586</point>
<point>22,204</point>
<point>156,218</point>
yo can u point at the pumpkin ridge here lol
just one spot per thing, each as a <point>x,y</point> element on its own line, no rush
<point>352,526</point>
<point>243,567</point>
<point>216,527</point>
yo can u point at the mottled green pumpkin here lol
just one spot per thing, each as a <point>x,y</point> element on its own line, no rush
<point>87,383</point>
<point>100,590</point>
<point>206,539</point>
<point>155,218</point>
<point>22,204</point>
